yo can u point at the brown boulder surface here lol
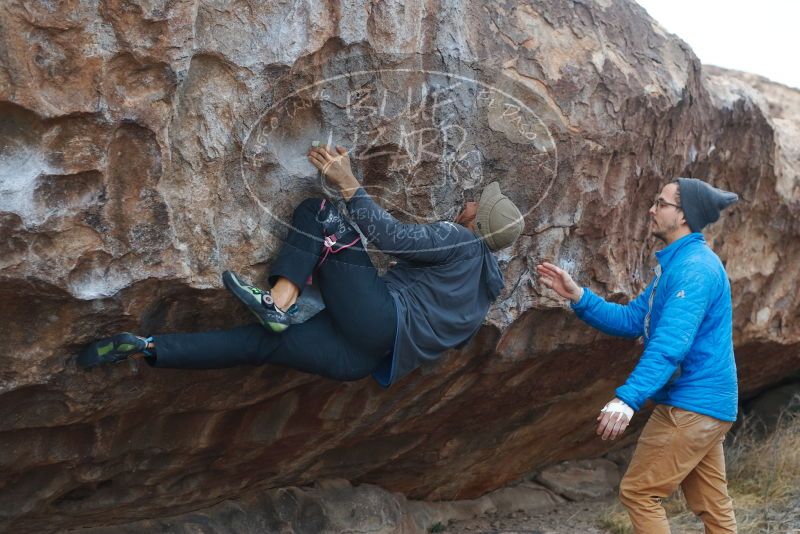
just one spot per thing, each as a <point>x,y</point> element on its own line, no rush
<point>335,506</point>
<point>582,479</point>
<point>148,145</point>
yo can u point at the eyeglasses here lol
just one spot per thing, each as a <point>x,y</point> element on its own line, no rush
<point>659,203</point>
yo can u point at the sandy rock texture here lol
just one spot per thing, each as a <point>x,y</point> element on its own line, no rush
<point>148,145</point>
<point>582,480</point>
<point>334,506</point>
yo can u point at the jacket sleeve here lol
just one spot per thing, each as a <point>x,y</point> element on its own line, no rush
<point>427,243</point>
<point>683,311</point>
<point>625,320</point>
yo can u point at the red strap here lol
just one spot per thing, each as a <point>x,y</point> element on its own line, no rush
<point>328,243</point>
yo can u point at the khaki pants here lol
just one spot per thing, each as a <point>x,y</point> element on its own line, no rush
<point>678,448</point>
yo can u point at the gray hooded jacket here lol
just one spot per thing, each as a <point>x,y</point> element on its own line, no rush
<point>445,280</point>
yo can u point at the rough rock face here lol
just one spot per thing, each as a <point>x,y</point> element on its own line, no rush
<point>335,506</point>
<point>148,145</point>
<point>584,479</point>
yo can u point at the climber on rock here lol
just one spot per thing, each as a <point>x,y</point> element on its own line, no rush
<point>434,299</point>
<point>687,368</point>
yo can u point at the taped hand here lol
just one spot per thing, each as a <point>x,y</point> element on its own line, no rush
<point>614,419</point>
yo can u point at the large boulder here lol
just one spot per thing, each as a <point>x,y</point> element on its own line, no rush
<point>582,479</point>
<point>148,145</point>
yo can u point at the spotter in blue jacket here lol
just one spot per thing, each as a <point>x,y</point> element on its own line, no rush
<point>685,317</point>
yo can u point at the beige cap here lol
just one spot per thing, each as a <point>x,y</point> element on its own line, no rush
<point>499,221</point>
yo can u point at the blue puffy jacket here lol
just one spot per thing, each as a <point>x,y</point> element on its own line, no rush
<point>685,317</point>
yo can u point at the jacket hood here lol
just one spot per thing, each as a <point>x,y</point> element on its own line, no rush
<point>491,275</point>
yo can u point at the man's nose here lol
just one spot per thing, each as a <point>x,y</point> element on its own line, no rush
<point>652,210</point>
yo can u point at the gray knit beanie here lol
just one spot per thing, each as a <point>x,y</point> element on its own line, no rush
<point>701,202</point>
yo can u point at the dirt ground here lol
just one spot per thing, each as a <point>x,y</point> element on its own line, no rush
<point>607,517</point>
<point>570,517</point>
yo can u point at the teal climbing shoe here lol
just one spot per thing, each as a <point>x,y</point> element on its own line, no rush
<point>112,349</point>
<point>260,303</point>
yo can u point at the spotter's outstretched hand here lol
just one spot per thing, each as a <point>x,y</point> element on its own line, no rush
<point>559,281</point>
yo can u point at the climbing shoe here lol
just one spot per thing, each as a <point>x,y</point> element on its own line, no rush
<point>260,303</point>
<point>112,349</point>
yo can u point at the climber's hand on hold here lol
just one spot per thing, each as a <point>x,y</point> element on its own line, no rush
<point>335,165</point>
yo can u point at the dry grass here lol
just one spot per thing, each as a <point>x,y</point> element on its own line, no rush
<point>763,479</point>
<point>616,521</point>
<point>764,474</point>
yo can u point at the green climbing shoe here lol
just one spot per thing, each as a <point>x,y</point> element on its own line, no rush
<point>112,349</point>
<point>260,303</point>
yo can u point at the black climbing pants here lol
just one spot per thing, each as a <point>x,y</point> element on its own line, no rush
<point>345,341</point>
